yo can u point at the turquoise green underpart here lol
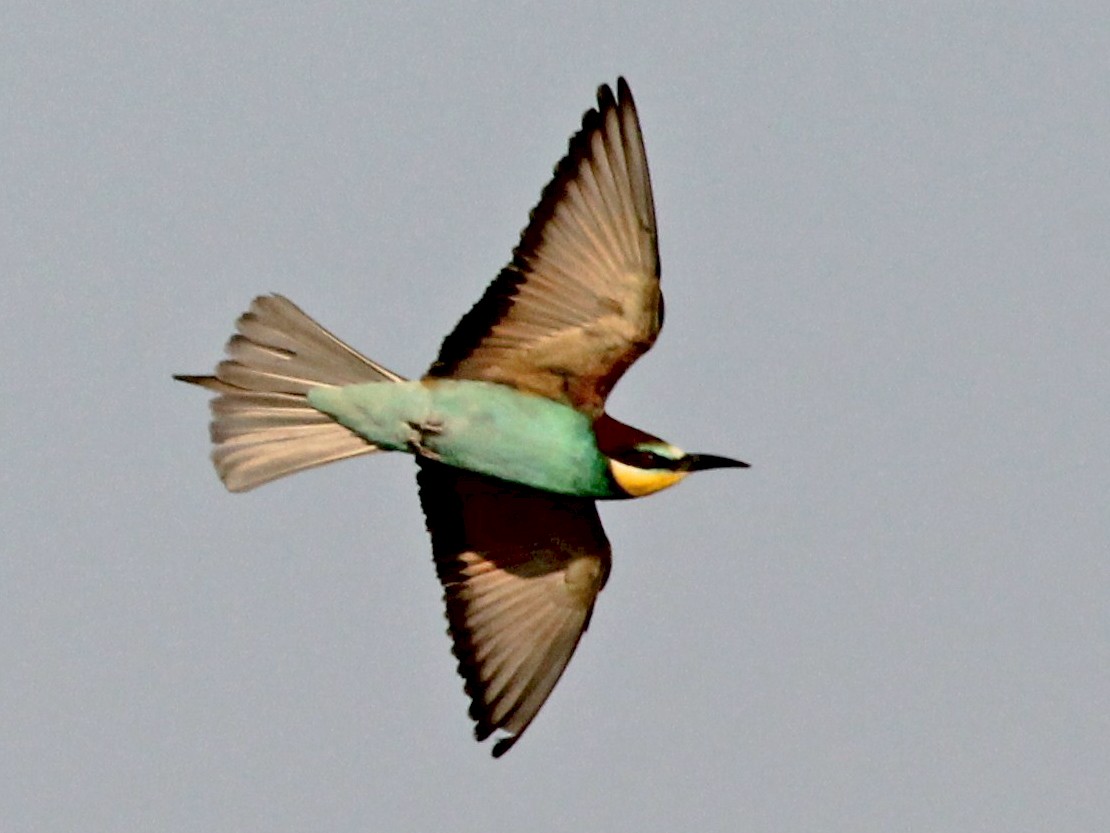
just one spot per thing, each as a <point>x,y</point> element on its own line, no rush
<point>479,426</point>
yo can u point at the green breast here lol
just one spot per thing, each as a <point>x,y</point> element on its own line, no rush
<point>480,426</point>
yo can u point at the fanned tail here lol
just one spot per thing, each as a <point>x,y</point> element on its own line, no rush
<point>262,425</point>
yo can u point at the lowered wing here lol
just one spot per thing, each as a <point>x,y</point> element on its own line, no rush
<point>520,571</point>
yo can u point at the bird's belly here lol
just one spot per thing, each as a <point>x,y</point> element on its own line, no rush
<point>479,426</point>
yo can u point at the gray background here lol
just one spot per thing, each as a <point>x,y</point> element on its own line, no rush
<point>885,248</point>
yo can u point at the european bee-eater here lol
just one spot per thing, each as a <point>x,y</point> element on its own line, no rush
<point>508,426</point>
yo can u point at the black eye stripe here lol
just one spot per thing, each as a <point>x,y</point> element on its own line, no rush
<point>642,459</point>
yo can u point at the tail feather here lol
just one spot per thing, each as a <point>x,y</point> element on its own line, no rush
<point>243,464</point>
<point>262,425</point>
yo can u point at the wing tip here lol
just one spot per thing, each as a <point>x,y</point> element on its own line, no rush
<point>504,745</point>
<point>621,101</point>
<point>579,149</point>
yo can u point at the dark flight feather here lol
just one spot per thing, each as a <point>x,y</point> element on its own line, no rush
<point>520,571</point>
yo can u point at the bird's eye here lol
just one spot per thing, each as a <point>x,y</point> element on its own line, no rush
<point>642,458</point>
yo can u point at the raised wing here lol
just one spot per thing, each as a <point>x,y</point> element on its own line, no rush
<point>520,571</point>
<point>580,300</point>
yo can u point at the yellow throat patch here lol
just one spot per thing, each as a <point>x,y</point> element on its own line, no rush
<point>640,482</point>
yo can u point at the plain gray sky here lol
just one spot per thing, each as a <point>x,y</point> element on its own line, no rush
<point>885,233</point>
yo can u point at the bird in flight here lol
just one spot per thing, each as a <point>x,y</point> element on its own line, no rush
<point>508,426</point>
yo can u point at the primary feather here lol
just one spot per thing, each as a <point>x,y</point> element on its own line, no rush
<point>580,300</point>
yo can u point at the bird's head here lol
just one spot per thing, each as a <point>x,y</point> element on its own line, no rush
<point>641,464</point>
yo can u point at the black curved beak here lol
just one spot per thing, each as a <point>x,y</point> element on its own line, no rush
<point>702,462</point>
